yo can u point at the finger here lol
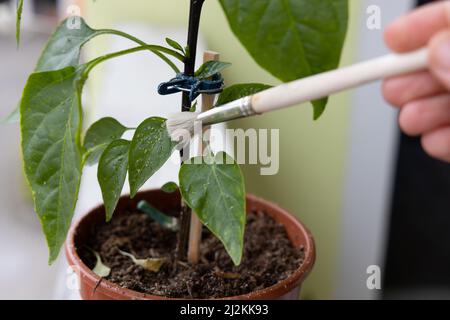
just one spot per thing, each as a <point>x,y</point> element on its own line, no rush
<point>421,116</point>
<point>440,57</point>
<point>400,90</point>
<point>437,143</point>
<point>414,30</point>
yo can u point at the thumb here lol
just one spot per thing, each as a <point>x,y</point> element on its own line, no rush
<point>440,57</point>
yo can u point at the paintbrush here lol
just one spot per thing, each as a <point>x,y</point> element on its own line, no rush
<point>303,90</point>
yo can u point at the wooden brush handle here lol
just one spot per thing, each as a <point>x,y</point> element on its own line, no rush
<point>325,84</point>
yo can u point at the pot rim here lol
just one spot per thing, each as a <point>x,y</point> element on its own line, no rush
<point>283,286</point>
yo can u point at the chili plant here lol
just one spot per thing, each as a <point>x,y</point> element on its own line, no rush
<point>289,39</point>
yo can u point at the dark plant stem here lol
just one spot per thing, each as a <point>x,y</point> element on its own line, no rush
<point>189,69</point>
<point>189,64</point>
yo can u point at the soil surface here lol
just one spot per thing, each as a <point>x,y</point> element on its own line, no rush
<point>268,258</point>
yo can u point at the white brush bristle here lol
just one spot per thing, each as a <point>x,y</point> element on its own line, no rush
<point>180,124</point>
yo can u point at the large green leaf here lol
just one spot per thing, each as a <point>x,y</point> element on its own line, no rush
<point>50,115</point>
<point>50,125</point>
<point>99,136</point>
<point>239,91</point>
<point>64,46</point>
<point>214,189</point>
<point>111,174</point>
<point>291,39</point>
<point>62,49</point>
<point>150,148</point>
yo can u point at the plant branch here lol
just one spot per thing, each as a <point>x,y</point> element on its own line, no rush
<point>142,43</point>
<point>189,64</point>
<point>154,48</point>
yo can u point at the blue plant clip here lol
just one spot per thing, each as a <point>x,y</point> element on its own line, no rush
<point>195,86</point>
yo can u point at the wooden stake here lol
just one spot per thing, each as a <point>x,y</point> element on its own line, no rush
<point>195,234</point>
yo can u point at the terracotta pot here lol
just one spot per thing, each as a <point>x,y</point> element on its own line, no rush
<point>91,289</point>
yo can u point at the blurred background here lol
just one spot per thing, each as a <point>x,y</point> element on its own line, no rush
<point>369,195</point>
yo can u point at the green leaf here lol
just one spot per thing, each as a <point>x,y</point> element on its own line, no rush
<point>150,148</point>
<point>64,46</point>
<point>238,91</point>
<point>99,136</point>
<point>100,269</point>
<point>319,107</point>
<point>210,68</point>
<point>111,174</point>
<point>214,189</point>
<point>193,107</point>
<point>174,45</point>
<point>169,187</point>
<point>18,19</point>
<point>291,39</point>
<point>50,125</point>
<point>164,220</point>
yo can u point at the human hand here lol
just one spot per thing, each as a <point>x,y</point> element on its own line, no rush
<point>424,97</point>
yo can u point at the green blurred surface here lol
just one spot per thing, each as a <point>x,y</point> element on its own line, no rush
<point>310,182</point>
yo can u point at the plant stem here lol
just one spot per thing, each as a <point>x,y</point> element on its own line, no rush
<point>189,64</point>
<point>142,43</point>
<point>189,69</point>
<point>153,48</point>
